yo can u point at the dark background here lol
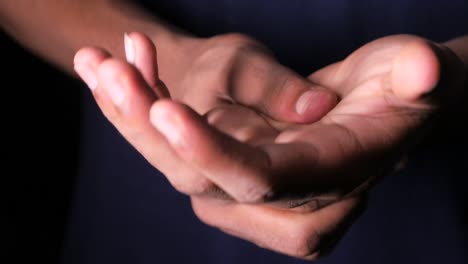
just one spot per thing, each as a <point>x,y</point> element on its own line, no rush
<point>40,118</point>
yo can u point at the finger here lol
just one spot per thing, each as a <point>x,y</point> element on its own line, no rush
<point>419,68</point>
<point>125,99</point>
<point>141,52</point>
<point>300,235</point>
<point>329,161</point>
<point>237,168</point>
<point>280,93</point>
<point>241,123</point>
<point>85,63</point>
<point>424,70</point>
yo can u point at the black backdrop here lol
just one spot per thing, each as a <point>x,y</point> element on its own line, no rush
<point>40,124</point>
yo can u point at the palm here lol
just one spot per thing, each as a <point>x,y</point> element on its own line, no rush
<point>360,138</point>
<point>365,82</point>
<point>260,160</point>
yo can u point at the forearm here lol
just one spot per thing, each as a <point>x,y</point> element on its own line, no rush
<point>56,29</point>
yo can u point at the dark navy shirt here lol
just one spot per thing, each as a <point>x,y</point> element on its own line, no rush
<point>124,211</point>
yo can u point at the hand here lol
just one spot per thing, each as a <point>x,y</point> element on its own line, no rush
<point>390,89</point>
<point>222,71</point>
<point>328,157</point>
<point>234,68</point>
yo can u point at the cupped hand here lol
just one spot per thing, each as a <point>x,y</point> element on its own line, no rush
<point>276,175</point>
<point>390,91</point>
<point>222,71</point>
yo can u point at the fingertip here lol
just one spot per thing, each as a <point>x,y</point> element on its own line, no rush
<point>142,51</point>
<point>416,70</point>
<point>166,116</point>
<point>85,63</point>
<point>129,49</point>
<point>312,105</point>
<point>140,38</point>
<point>90,55</point>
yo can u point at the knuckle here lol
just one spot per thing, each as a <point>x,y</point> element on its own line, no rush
<point>220,59</point>
<point>223,51</point>
<point>302,249</point>
<point>206,74</point>
<point>210,69</point>
<point>303,243</point>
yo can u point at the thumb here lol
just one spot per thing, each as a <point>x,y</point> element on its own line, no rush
<point>428,71</point>
<point>283,94</point>
<point>141,52</point>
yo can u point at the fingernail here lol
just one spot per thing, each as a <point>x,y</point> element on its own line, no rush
<point>87,75</point>
<point>129,49</point>
<point>116,91</point>
<point>168,127</point>
<point>306,100</point>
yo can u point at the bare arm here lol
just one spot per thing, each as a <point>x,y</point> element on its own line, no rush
<point>56,29</point>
